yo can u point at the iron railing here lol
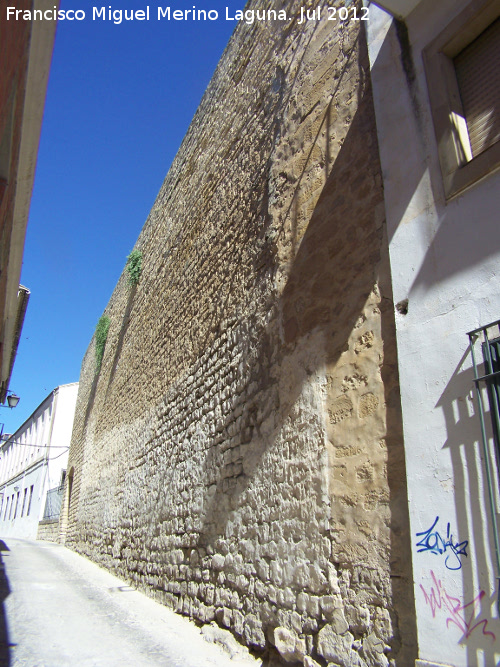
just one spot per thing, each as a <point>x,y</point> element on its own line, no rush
<point>53,503</point>
<point>488,339</point>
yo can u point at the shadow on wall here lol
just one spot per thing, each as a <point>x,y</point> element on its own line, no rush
<point>338,264</point>
<point>475,612</point>
<point>4,592</point>
<point>116,356</point>
<point>341,258</point>
<point>328,283</point>
<point>121,338</point>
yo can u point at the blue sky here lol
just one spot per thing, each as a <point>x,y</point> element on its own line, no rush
<point>119,101</point>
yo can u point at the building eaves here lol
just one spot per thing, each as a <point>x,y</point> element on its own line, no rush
<point>41,45</point>
<point>23,296</point>
<point>398,8</point>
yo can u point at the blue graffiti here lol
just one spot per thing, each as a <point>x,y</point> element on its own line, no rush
<point>432,541</point>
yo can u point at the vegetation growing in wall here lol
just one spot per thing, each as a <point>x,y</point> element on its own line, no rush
<point>101,335</point>
<point>134,267</point>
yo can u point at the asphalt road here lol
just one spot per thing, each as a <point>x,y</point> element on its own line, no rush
<point>59,609</point>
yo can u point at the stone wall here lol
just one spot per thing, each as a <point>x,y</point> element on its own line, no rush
<point>48,530</point>
<point>239,455</point>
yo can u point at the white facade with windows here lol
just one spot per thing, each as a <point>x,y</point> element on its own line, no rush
<point>33,461</point>
<point>438,120</point>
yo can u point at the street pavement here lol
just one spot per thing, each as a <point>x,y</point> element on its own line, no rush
<point>59,609</point>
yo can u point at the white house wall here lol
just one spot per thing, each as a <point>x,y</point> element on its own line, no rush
<point>61,432</point>
<point>445,261</point>
<point>35,456</point>
<point>24,526</point>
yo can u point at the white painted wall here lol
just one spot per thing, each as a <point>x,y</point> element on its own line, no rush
<point>35,456</point>
<point>60,439</point>
<point>25,523</point>
<point>445,259</point>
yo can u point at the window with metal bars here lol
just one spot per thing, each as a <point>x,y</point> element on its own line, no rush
<point>491,357</point>
<point>487,380</point>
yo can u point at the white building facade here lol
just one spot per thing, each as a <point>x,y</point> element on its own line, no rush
<point>436,95</point>
<point>33,463</point>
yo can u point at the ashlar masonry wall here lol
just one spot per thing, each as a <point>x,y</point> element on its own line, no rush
<point>239,454</point>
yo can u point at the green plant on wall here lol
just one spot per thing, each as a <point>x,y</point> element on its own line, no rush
<point>134,267</point>
<point>101,335</point>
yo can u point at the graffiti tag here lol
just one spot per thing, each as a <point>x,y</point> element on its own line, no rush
<point>464,616</point>
<point>434,542</point>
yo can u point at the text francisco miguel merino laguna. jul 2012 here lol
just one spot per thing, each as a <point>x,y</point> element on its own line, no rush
<point>117,16</point>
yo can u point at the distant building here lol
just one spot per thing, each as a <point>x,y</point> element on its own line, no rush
<point>25,58</point>
<point>33,466</point>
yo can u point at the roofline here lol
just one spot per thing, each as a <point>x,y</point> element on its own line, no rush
<point>23,297</point>
<point>52,394</point>
<point>41,46</point>
<point>400,9</point>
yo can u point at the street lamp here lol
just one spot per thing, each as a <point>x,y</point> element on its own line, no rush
<point>12,400</point>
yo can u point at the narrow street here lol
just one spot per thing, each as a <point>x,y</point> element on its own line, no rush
<point>59,609</point>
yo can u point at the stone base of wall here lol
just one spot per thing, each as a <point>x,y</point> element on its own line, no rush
<point>48,530</point>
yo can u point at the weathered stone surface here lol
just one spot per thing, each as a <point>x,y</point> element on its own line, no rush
<point>48,531</point>
<point>334,647</point>
<point>253,632</point>
<point>290,647</point>
<point>309,662</point>
<point>212,633</point>
<point>239,454</point>
<point>374,651</point>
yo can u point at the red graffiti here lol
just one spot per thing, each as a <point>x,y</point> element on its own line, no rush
<point>464,616</point>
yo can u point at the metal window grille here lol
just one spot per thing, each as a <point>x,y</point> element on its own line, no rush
<point>488,338</point>
<point>53,503</point>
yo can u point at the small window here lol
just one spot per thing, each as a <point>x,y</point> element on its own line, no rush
<point>24,500</point>
<point>477,68</point>
<point>29,501</point>
<point>463,76</point>
<point>17,503</point>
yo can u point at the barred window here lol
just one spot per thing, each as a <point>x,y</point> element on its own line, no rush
<point>487,388</point>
